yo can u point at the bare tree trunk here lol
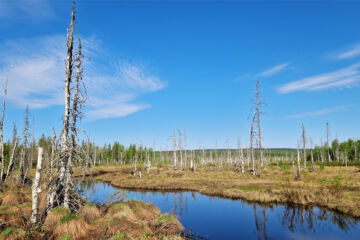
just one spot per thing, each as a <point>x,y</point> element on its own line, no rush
<point>11,162</point>
<point>304,144</point>
<point>259,104</point>
<point>298,165</point>
<point>185,151</point>
<point>321,151</point>
<point>180,149</point>
<point>241,156</point>
<point>60,190</point>
<point>327,141</point>
<point>75,114</point>
<point>148,164</point>
<point>251,145</point>
<point>12,156</point>
<point>35,188</point>
<point>174,145</point>
<point>312,155</point>
<point>192,161</point>
<point>53,146</point>
<point>2,133</point>
<point>24,147</point>
<point>67,94</point>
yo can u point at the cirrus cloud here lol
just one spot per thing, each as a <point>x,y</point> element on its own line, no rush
<point>35,72</point>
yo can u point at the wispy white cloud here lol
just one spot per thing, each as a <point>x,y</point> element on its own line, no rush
<point>35,72</point>
<point>320,112</point>
<point>36,9</point>
<point>274,70</point>
<point>345,77</point>
<point>352,52</point>
<point>267,73</point>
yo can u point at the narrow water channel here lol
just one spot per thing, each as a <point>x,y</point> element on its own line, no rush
<point>218,218</point>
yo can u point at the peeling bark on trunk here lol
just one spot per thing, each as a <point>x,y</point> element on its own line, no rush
<point>35,188</point>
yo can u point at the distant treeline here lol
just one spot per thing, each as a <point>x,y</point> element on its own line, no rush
<point>119,153</point>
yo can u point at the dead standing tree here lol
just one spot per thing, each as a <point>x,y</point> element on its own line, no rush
<point>12,156</point>
<point>252,136</point>
<point>327,141</point>
<point>24,153</point>
<point>2,134</point>
<point>61,189</point>
<point>260,104</point>
<point>180,149</point>
<point>76,113</point>
<point>303,138</point>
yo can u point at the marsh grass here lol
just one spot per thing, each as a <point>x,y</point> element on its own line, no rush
<point>334,187</point>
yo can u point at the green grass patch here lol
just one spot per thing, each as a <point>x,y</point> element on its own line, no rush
<point>8,213</point>
<point>65,237</point>
<point>90,204</point>
<point>164,218</point>
<point>250,188</point>
<point>60,210</point>
<point>144,235</point>
<point>119,236</point>
<point>117,207</point>
<point>7,232</point>
<point>136,208</point>
<point>28,204</point>
<point>69,217</point>
<point>4,207</point>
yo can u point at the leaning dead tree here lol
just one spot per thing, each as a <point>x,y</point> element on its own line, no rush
<point>12,156</point>
<point>2,134</point>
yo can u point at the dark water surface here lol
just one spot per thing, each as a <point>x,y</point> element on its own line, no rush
<point>218,218</point>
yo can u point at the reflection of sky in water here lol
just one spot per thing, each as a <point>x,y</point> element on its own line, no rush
<point>226,219</point>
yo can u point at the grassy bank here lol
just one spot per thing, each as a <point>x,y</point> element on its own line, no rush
<point>115,221</point>
<point>334,187</point>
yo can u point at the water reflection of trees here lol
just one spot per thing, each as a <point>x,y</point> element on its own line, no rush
<point>310,218</point>
<point>302,219</point>
<point>295,219</point>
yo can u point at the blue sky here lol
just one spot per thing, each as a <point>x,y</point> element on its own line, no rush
<point>158,66</point>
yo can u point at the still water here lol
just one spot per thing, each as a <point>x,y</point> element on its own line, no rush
<point>218,218</point>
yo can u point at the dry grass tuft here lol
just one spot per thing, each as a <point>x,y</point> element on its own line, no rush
<point>76,229</point>
<point>89,212</point>
<point>53,218</point>
<point>13,198</point>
